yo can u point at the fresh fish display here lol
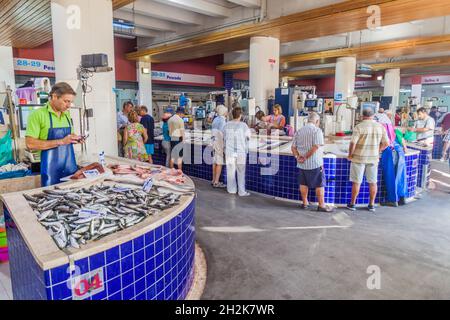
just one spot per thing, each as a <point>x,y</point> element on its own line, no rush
<point>74,216</point>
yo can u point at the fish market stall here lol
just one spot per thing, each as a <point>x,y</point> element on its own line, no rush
<point>272,169</point>
<point>127,233</point>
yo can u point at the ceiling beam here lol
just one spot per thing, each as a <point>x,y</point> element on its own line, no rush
<point>247,3</point>
<point>417,64</point>
<point>121,3</point>
<point>404,66</point>
<point>145,22</point>
<point>380,50</point>
<point>164,12</point>
<point>346,16</point>
<point>199,6</point>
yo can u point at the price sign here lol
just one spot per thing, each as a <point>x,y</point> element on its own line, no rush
<point>121,189</point>
<point>88,284</point>
<point>148,184</point>
<point>91,173</point>
<point>88,213</point>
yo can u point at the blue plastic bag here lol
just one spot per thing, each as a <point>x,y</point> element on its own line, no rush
<point>6,151</point>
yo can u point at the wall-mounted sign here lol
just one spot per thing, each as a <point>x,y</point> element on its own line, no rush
<point>368,84</point>
<point>435,79</point>
<point>34,65</point>
<point>182,77</point>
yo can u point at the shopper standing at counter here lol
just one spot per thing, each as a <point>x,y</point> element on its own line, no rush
<point>236,137</point>
<point>166,137</point>
<point>149,124</point>
<point>307,149</point>
<point>368,140</point>
<point>277,120</point>
<point>50,130</point>
<point>218,145</point>
<point>134,138</point>
<point>424,127</point>
<point>176,132</point>
<point>444,122</point>
<point>122,122</point>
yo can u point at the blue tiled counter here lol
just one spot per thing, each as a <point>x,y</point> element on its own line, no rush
<point>275,174</point>
<point>153,260</point>
<point>424,165</point>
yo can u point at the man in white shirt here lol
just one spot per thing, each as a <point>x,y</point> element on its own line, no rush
<point>424,127</point>
<point>176,132</point>
<point>236,137</point>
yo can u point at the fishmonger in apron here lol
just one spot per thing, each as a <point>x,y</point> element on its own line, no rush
<point>58,162</point>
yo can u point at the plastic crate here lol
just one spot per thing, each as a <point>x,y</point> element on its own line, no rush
<point>14,174</point>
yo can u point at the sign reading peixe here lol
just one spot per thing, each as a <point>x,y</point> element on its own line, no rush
<point>34,65</point>
<point>182,77</point>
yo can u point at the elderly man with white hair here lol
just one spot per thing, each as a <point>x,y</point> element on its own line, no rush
<point>307,149</point>
<point>217,145</point>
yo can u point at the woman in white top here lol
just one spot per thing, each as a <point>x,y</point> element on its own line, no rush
<point>236,137</point>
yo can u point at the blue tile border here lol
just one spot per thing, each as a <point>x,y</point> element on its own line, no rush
<point>141,269</point>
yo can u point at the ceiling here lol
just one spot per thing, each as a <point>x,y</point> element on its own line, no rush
<point>28,23</point>
<point>334,19</point>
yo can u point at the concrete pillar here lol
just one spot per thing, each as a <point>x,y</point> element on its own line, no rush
<point>392,87</point>
<point>85,27</point>
<point>6,69</point>
<point>344,88</point>
<point>145,84</point>
<point>416,91</point>
<point>264,69</point>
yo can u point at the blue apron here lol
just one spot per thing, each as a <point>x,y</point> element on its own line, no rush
<point>58,162</point>
<point>394,172</point>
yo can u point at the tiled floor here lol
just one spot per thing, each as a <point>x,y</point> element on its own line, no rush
<point>5,282</point>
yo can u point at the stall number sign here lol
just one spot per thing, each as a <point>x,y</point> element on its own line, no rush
<point>34,65</point>
<point>182,77</point>
<point>88,285</point>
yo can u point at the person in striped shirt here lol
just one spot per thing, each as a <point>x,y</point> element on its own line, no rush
<point>368,141</point>
<point>307,149</point>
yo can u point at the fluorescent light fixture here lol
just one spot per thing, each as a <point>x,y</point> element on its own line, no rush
<point>145,70</point>
<point>379,78</point>
<point>405,90</point>
<point>446,86</point>
<point>364,76</point>
<point>123,26</point>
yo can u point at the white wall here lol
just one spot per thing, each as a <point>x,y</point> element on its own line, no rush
<point>7,67</point>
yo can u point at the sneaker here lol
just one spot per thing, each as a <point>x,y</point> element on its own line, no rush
<point>351,207</point>
<point>371,208</point>
<point>325,209</point>
<point>304,207</point>
<point>244,194</point>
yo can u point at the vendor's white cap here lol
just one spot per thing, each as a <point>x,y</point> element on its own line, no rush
<point>221,110</point>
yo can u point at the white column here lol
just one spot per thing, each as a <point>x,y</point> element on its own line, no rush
<point>145,85</point>
<point>264,69</point>
<point>416,91</point>
<point>392,86</point>
<point>344,88</point>
<point>85,27</point>
<point>7,69</point>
